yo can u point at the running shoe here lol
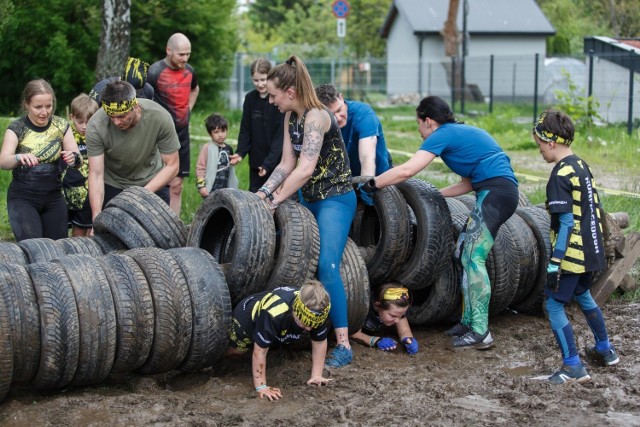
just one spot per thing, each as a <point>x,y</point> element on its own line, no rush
<point>570,373</point>
<point>607,358</point>
<point>457,330</point>
<point>472,339</point>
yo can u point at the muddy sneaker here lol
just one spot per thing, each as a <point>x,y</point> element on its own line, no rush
<point>458,330</point>
<point>570,373</point>
<point>472,339</point>
<point>606,358</point>
<point>339,357</point>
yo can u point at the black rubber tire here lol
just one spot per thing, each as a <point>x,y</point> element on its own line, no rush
<point>59,328</point>
<point>523,200</point>
<point>41,249</point>
<point>122,225</point>
<point>154,215</point>
<point>539,222</point>
<point>529,257</point>
<point>456,206</point>
<point>172,309</point>
<point>433,240</point>
<point>133,308</point>
<point>96,317</point>
<point>238,230</point>
<point>297,246</point>
<point>355,278</point>
<point>22,305</point>
<point>108,243</point>
<point>438,302</point>
<point>383,233</point>
<point>211,306</point>
<point>6,352</point>
<point>80,246</point>
<point>12,253</point>
<point>468,200</point>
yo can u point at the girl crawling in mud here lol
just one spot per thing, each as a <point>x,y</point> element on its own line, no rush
<point>276,317</point>
<point>388,308</point>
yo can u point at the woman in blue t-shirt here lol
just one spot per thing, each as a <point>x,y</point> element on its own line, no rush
<point>484,168</point>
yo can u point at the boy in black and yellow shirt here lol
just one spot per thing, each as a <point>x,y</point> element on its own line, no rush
<point>281,316</point>
<point>577,246</point>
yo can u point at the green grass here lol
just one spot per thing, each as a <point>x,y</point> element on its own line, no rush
<point>610,148</point>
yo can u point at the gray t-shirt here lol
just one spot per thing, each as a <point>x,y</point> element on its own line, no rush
<point>132,157</point>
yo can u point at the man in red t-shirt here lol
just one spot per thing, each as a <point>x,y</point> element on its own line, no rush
<point>176,89</point>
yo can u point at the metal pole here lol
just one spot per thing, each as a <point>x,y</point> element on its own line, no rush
<point>491,84</point>
<point>535,90</point>
<point>453,83</point>
<point>463,82</point>
<point>420,65</point>
<point>590,86</point>
<point>513,83</point>
<point>631,74</point>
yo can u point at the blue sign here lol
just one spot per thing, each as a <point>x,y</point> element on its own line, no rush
<point>340,8</point>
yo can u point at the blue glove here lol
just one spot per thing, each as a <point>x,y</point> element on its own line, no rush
<point>365,195</point>
<point>410,344</point>
<point>553,275</point>
<point>386,344</point>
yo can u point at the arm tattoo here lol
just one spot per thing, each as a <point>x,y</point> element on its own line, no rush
<point>313,135</point>
<point>277,177</point>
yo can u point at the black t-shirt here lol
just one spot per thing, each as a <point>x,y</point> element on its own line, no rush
<point>571,189</point>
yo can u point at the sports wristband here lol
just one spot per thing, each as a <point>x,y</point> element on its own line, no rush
<point>77,160</point>
<point>200,183</point>
<point>261,387</point>
<point>266,192</point>
<point>18,157</point>
<point>370,186</point>
<point>372,342</point>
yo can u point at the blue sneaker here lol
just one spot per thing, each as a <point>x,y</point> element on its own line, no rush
<point>457,330</point>
<point>607,358</point>
<point>570,373</point>
<point>339,357</point>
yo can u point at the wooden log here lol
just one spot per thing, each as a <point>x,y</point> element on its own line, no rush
<point>628,284</point>
<point>610,279</point>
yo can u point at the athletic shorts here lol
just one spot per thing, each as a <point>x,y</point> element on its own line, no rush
<point>81,218</point>
<point>184,153</point>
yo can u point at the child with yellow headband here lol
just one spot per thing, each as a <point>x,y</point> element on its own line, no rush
<point>277,317</point>
<point>388,308</point>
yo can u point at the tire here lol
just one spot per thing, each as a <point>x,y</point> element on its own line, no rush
<point>468,200</point>
<point>41,249</point>
<point>238,230</point>
<point>59,328</point>
<point>12,253</point>
<point>122,225</point>
<point>529,257</point>
<point>297,246</point>
<point>6,352</point>
<point>523,200</point>
<point>134,311</point>
<point>383,233</point>
<point>538,220</point>
<point>438,302</point>
<point>457,206</point>
<point>172,309</point>
<point>211,306</point>
<point>353,272</point>
<point>154,215</point>
<point>96,317</point>
<point>108,242</point>
<point>80,246</point>
<point>22,306</point>
<point>433,241</point>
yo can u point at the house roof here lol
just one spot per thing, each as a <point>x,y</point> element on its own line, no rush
<point>503,17</point>
<point>623,51</point>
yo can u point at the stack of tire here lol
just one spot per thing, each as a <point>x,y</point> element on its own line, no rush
<point>407,237</point>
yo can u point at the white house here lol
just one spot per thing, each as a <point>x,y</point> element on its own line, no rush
<point>513,31</point>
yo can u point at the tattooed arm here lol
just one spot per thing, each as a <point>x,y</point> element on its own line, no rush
<point>286,165</point>
<point>317,123</point>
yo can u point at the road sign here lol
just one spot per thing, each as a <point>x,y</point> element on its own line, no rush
<point>341,27</point>
<point>340,9</point>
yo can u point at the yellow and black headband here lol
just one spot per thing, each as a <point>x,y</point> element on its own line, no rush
<point>548,136</point>
<point>395,294</point>
<point>310,318</point>
<point>119,108</point>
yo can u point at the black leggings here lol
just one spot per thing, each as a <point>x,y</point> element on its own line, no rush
<point>33,215</point>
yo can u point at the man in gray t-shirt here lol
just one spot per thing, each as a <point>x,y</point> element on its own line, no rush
<point>130,142</point>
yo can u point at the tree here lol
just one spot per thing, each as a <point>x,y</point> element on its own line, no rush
<point>114,38</point>
<point>450,32</point>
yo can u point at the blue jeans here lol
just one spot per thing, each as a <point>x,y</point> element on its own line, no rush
<point>334,216</point>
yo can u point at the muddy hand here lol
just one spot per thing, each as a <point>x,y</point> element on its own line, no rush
<point>318,381</point>
<point>271,393</point>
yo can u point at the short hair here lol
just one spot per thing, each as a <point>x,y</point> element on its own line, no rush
<point>216,121</point>
<point>327,93</point>
<point>34,88</point>
<point>260,65</point>
<point>386,304</point>
<point>558,123</point>
<point>117,92</point>
<point>83,107</point>
<point>314,296</point>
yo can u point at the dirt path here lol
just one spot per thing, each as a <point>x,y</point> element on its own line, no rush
<point>437,387</point>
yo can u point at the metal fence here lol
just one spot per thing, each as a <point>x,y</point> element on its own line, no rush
<point>526,79</point>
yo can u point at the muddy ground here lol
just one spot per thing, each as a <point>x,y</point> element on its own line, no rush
<point>439,387</point>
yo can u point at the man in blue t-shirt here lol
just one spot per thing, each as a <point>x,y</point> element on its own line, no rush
<point>361,130</point>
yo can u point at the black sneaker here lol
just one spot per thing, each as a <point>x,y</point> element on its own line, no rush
<point>570,373</point>
<point>457,330</point>
<point>473,340</point>
<point>607,358</point>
